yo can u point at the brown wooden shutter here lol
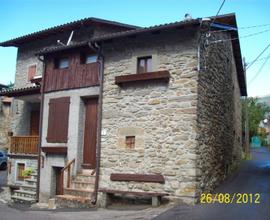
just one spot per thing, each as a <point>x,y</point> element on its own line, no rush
<point>58,120</point>
<point>32,72</point>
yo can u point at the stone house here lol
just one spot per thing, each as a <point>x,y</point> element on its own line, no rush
<point>126,110</point>
<point>5,112</point>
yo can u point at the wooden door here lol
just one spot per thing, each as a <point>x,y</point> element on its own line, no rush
<point>90,133</point>
<point>34,123</point>
<point>58,180</point>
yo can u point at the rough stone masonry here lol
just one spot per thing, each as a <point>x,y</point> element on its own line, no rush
<point>183,130</point>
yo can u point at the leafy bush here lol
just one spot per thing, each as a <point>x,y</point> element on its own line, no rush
<point>27,172</point>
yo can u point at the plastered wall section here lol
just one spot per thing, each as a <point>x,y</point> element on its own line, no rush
<point>75,137</point>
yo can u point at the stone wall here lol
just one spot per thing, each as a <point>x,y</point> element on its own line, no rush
<point>218,115</point>
<point>238,148</point>
<point>161,116</point>
<point>5,125</point>
<point>12,175</point>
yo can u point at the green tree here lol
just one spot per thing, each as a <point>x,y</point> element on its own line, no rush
<point>255,112</point>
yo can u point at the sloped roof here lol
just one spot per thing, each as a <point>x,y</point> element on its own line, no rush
<point>121,34</point>
<point>226,19</point>
<point>20,91</point>
<point>64,27</point>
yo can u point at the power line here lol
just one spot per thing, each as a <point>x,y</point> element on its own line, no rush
<point>236,38</point>
<point>217,13</point>
<point>239,28</point>
<point>250,64</point>
<point>259,71</point>
<point>263,58</point>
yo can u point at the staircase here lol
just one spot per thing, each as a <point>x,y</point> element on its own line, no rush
<point>27,191</point>
<point>79,193</point>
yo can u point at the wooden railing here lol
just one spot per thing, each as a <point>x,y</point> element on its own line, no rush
<point>24,144</point>
<point>68,180</point>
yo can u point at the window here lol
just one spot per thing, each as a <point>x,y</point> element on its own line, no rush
<point>88,58</point>
<point>20,169</point>
<point>130,142</point>
<point>32,72</point>
<point>58,120</point>
<point>144,64</point>
<point>61,63</point>
<point>1,154</point>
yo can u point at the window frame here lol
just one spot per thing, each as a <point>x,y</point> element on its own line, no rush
<point>145,59</point>
<point>57,62</point>
<point>130,142</point>
<point>32,71</point>
<point>84,56</point>
<point>18,176</point>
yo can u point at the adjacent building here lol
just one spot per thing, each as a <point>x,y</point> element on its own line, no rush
<point>5,114</point>
<point>103,108</point>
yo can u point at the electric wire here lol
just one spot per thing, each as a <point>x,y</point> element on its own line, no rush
<point>251,63</point>
<point>241,28</point>
<point>236,38</point>
<point>261,59</point>
<point>259,71</point>
<point>217,13</point>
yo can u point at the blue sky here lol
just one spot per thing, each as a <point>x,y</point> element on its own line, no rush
<point>19,17</point>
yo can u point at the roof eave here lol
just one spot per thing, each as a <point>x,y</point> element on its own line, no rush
<point>16,42</point>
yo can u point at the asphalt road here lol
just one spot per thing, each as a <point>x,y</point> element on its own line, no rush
<point>8,213</point>
<point>253,177</point>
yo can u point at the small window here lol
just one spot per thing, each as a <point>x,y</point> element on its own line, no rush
<point>144,64</point>
<point>1,154</point>
<point>32,72</point>
<point>130,142</point>
<point>91,59</point>
<point>88,58</point>
<point>20,169</point>
<point>61,63</point>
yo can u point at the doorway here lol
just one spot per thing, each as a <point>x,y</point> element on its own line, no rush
<point>90,133</point>
<point>58,180</point>
<point>34,123</point>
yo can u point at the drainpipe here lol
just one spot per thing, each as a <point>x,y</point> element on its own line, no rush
<point>40,124</point>
<point>100,60</point>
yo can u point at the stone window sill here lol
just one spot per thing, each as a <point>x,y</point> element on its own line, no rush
<point>141,77</point>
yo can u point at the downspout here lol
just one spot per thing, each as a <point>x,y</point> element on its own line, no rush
<point>100,60</point>
<point>40,124</point>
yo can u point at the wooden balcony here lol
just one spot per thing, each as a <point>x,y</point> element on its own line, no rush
<point>24,145</point>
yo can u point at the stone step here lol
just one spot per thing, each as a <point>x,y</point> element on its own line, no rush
<point>32,182</point>
<point>76,184</point>
<point>25,193</point>
<point>28,187</point>
<point>71,201</point>
<point>78,192</point>
<point>87,172</point>
<point>23,199</point>
<point>85,177</point>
